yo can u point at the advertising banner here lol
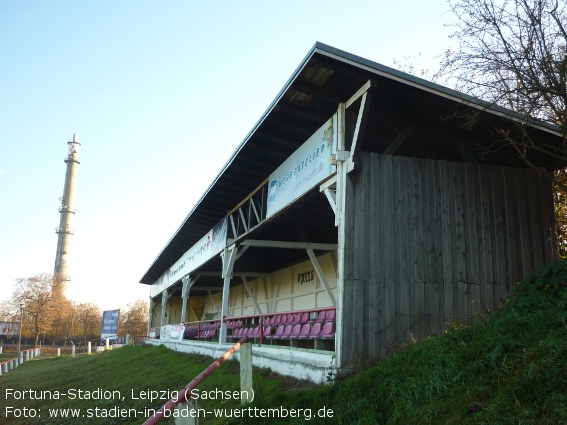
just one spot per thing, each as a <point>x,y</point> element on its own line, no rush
<point>9,328</point>
<point>307,166</point>
<point>172,333</point>
<point>110,321</point>
<point>208,246</point>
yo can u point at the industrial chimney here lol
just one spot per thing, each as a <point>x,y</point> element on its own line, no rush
<point>67,211</point>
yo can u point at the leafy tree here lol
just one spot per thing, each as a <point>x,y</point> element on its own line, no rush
<point>38,295</point>
<point>134,320</point>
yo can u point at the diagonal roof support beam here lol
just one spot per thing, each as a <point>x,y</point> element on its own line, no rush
<point>400,139</point>
<point>360,123</point>
<point>252,296</point>
<point>321,275</point>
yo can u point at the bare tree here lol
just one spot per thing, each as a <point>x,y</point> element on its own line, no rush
<point>514,53</point>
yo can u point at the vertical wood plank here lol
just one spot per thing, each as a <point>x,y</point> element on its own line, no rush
<point>447,244</point>
<point>460,295</point>
<point>486,240</point>
<point>402,218</point>
<point>512,235</point>
<point>537,244</point>
<point>526,266</point>
<point>471,207</point>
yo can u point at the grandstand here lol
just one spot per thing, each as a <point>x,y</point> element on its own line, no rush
<point>366,207</point>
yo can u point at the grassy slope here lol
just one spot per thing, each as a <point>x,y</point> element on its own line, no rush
<point>509,369</point>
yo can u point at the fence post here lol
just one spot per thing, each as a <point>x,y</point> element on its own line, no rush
<point>58,351</point>
<point>27,355</point>
<point>107,343</point>
<point>73,351</point>
<point>21,357</point>
<point>89,349</point>
<point>16,362</point>
<point>5,364</point>
<point>10,364</point>
<point>1,348</point>
<point>246,381</point>
<point>186,413</point>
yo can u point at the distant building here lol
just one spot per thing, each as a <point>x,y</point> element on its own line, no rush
<point>366,191</point>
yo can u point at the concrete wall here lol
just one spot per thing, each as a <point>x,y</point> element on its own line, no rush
<point>311,365</point>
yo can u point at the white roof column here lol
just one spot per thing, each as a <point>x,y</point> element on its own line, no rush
<point>228,259</point>
<point>151,315</point>
<point>164,298</point>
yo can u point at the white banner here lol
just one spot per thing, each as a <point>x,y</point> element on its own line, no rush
<point>208,246</point>
<point>172,333</point>
<point>307,166</point>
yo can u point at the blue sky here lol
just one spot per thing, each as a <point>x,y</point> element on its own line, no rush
<point>160,94</point>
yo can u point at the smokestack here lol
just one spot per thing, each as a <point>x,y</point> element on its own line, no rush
<point>67,211</point>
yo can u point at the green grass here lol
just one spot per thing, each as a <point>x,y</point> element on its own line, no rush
<point>127,369</point>
<point>510,368</point>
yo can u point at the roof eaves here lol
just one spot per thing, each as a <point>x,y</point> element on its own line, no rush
<point>435,88</point>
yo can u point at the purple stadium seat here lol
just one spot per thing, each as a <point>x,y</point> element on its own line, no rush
<point>321,316</point>
<point>315,331</point>
<point>328,331</point>
<point>331,315</point>
<point>305,329</point>
<point>256,332</point>
<point>289,319</point>
<point>304,318</point>
<point>296,318</point>
<point>279,331</point>
<point>287,332</point>
<point>267,331</point>
<point>277,320</point>
<point>294,332</point>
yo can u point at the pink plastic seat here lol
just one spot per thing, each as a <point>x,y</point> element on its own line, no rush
<point>315,331</point>
<point>328,331</point>
<point>331,315</point>
<point>267,331</point>
<point>305,330</point>
<point>287,332</point>
<point>304,318</point>
<point>279,331</point>
<point>294,332</point>
<point>321,316</point>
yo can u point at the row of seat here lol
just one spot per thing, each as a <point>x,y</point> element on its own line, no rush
<point>298,331</point>
<point>288,326</point>
<point>300,318</point>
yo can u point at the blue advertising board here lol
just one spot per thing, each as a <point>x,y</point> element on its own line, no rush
<point>110,320</point>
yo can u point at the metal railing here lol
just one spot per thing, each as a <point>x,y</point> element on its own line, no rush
<point>184,395</point>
